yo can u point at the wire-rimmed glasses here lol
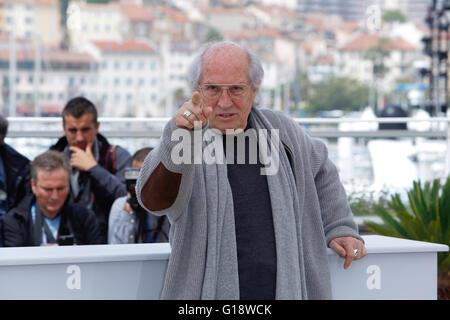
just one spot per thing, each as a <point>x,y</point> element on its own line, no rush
<point>214,91</point>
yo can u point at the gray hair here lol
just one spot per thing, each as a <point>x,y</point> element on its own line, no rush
<point>3,127</point>
<point>255,71</point>
<point>49,161</point>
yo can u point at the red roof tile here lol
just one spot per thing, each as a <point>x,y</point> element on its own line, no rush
<point>264,32</point>
<point>367,41</point>
<point>324,60</point>
<point>131,45</point>
<point>32,2</point>
<point>52,55</point>
<point>136,12</point>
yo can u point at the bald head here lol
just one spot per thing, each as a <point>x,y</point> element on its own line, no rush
<point>223,63</point>
<point>224,48</point>
<point>229,49</point>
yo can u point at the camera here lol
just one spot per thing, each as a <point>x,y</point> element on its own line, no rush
<point>66,240</point>
<point>131,175</point>
<point>65,235</point>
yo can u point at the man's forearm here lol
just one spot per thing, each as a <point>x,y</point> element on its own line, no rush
<point>161,189</point>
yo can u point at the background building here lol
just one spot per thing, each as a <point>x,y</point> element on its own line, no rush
<point>131,56</point>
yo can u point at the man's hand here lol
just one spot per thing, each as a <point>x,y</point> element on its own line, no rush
<point>197,110</point>
<point>345,246</point>
<point>82,160</point>
<point>126,206</point>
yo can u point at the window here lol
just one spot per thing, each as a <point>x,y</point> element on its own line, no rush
<point>140,29</point>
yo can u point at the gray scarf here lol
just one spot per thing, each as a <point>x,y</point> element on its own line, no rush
<point>221,260</point>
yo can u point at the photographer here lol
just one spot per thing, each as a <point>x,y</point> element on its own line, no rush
<point>47,216</point>
<point>97,176</point>
<point>128,221</point>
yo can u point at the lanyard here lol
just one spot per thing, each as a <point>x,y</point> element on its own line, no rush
<point>40,225</point>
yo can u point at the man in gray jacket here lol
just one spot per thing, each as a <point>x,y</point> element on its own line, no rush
<point>253,201</point>
<point>98,167</point>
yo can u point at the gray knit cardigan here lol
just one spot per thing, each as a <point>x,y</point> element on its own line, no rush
<point>309,207</point>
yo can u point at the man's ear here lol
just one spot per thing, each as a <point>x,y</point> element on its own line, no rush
<point>254,93</point>
<point>33,186</point>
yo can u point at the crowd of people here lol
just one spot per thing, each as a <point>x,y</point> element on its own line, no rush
<point>74,193</point>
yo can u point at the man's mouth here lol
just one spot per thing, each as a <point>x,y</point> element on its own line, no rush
<point>81,145</point>
<point>226,115</point>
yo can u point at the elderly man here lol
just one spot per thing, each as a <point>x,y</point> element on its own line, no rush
<point>97,178</point>
<point>46,217</point>
<point>237,233</point>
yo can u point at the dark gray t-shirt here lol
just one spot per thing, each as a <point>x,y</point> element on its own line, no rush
<point>255,237</point>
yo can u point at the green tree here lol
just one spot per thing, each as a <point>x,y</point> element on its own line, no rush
<point>424,217</point>
<point>337,93</point>
<point>213,35</point>
<point>394,16</point>
<point>377,54</point>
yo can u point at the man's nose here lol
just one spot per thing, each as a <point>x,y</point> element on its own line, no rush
<point>225,99</point>
<point>79,136</point>
<point>54,195</point>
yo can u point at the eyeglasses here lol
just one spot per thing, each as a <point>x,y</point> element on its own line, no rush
<point>214,91</point>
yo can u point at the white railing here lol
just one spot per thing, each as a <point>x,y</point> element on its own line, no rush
<point>51,127</point>
<point>348,139</point>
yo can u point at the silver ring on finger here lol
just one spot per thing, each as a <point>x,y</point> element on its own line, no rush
<point>355,253</point>
<point>186,114</point>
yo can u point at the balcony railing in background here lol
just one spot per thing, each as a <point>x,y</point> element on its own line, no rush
<point>366,157</point>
